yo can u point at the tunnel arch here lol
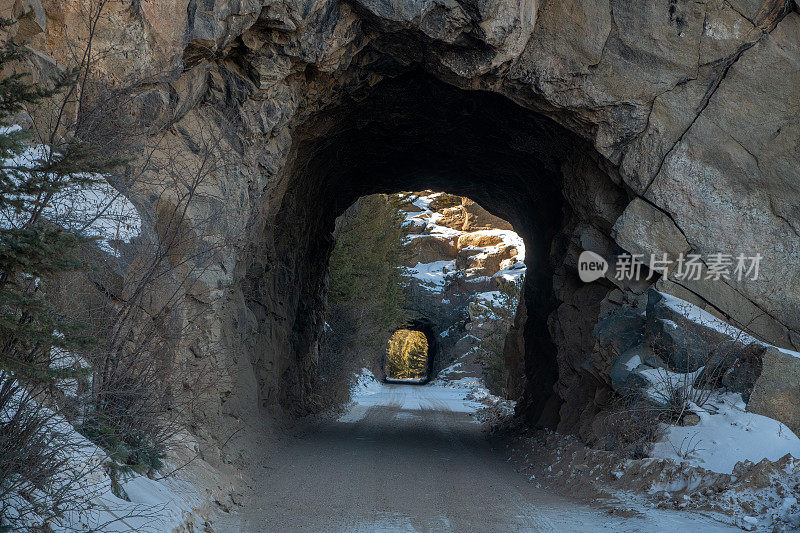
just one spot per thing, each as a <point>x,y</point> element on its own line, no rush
<point>431,336</point>
<point>414,132</point>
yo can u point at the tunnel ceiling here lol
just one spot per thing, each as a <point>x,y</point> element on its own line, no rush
<point>414,132</point>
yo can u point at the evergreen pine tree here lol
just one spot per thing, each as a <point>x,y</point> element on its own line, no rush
<point>33,248</point>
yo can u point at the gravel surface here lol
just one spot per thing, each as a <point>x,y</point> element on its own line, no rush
<point>389,467</point>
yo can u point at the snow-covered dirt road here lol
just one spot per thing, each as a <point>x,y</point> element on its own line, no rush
<point>411,458</point>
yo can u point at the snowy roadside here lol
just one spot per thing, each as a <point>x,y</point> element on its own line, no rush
<point>98,494</point>
<point>458,395</point>
<point>737,465</point>
<point>755,496</point>
<point>167,504</point>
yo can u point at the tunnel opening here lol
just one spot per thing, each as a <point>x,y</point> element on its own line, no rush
<point>413,132</point>
<point>420,262</point>
<point>407,358</point>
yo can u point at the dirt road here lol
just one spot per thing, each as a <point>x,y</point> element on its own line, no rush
<point>411,458</point>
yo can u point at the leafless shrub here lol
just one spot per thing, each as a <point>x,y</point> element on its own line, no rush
<point>676,395</point>
<point>711,355</point>
<point>689,447</point>
<point>140,390</point>
<point>630,427</point>
<point>30,459</point>
<point>48,476</point>
<point>131,386</point>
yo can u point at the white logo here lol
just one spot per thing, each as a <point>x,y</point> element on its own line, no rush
<point>591,266</point>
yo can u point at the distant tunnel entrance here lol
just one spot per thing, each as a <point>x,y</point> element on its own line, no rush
<point>409,356</point>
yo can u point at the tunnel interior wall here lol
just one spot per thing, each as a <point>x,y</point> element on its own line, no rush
<point>414,132</point>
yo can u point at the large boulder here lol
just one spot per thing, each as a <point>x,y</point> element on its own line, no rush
<point>477,218</point>
<point>478,239</point>
<point>644,229</point>
<point>776,393</point>
<point>679,334</point>
<point>429,248</point>
<point>443,201</point>
<point>743,373</point>
<point>682,349</point>
<point>451,217</point>
<point>733,366</point>
<point>621,330</point>
<point>484,263</point>
<point>614,335</point>
<point>624,376</point>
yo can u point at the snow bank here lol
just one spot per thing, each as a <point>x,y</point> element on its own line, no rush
<point>466,395</point>
<point>154,505</point>
<point>432,274</point>
<point>726,435</point>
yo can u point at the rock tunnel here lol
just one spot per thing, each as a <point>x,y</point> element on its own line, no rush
<point>653,127</point>
<point>432,344</point>
<point>411,132</point>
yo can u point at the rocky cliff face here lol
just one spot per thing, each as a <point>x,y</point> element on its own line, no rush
<point>605,125</point>
<point>459,256</point>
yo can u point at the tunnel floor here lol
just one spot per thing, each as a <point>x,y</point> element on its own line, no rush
<point>411,459</point>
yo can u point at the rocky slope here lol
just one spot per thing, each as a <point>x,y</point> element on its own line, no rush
<point>459,256</point>
<point>605,125</point>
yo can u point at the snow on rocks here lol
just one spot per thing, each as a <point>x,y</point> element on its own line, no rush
<point>475,390</point>
<point>727,435</point>
<point>760,495</point>
<point>478,251</point>
<point>726,460</point>
<point>432,275</point>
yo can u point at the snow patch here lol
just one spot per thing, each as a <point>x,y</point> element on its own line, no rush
<point>726,437</point>
<point>154,505</point>
<point>432,274</point>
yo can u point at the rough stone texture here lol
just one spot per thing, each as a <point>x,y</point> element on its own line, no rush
<point>659,311</point>
<point>742,375</point>
<point>478,239</point>
<point>682,349</point>
<point>552,115</point>
<point>644,229</point>
<point>478,218</point>
<point>481,263</point>
<point>623,377</point>
<point>615,335</point>
<point>427,248</point>
<point>776,393</point>
<point>452,312</point>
